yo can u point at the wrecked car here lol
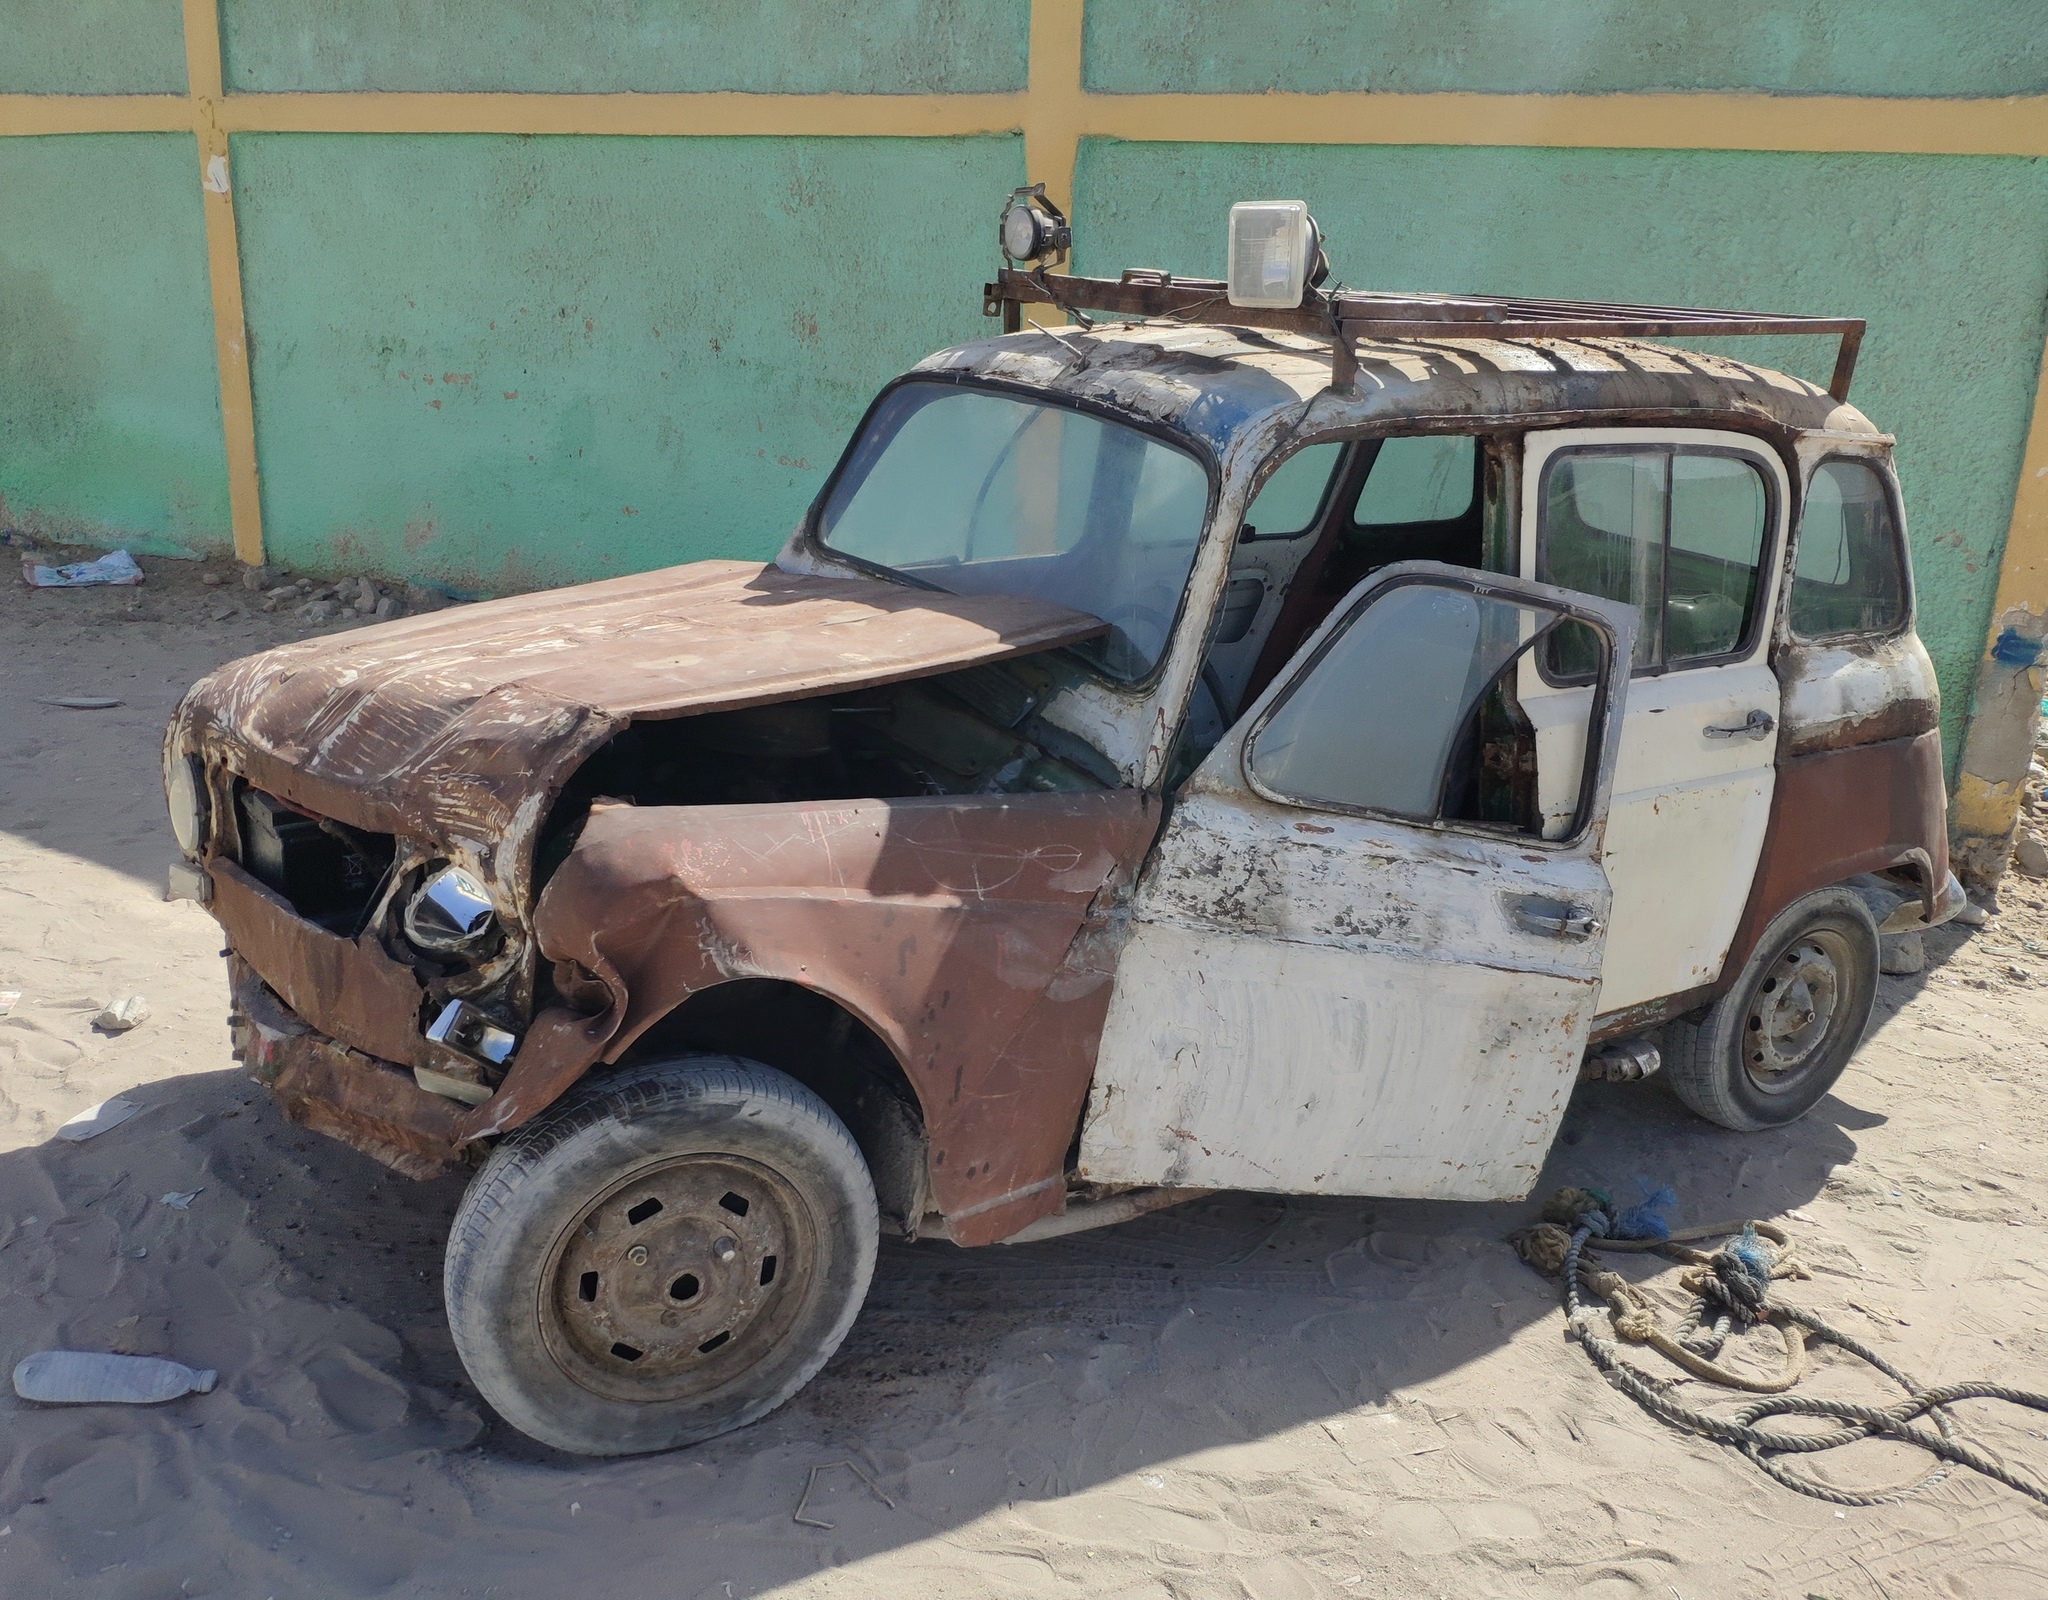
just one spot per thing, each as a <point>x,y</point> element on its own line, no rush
<point>1239,737</point>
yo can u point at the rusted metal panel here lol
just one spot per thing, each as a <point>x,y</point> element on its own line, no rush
<point>1838,812</point>
<point>371,1105</point>
<point>971,934</point>
<point>459,726</point>
<point>1857,691</point>
<point>357,992</point>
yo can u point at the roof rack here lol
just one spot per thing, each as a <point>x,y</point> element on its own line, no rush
<point>1350,315</point>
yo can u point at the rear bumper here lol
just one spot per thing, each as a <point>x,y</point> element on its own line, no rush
<point>370,1104</point>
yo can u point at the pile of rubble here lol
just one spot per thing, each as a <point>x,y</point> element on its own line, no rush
<point>315,602</point>
<point>2030,849</point>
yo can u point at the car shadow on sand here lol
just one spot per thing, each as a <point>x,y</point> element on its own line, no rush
<point>973,1380</point>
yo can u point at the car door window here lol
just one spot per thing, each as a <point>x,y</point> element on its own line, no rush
<point>1848,577</point>
<point>1677,533</point>
<point>1454,745</point>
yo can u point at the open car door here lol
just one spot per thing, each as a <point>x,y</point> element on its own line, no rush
<point>1361,960</point>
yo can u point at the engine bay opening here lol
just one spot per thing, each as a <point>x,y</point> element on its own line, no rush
<point>329,873</point>
<point>975,731</point>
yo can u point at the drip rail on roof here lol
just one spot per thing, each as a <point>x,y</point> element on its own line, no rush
<point>1351,315</point>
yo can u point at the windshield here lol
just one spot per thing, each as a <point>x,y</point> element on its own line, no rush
<point>977,492</point>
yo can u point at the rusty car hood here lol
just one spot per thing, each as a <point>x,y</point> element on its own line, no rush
<point>459,726</point>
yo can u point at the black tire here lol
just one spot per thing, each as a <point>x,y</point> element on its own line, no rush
<point>1764,1053</point>
<point>594,1336</point>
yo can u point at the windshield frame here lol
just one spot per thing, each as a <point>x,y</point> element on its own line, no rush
<point>1192,445</point>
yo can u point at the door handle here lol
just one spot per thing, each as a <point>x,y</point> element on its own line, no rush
<point>1566,922</point>
<point>1757,725</point>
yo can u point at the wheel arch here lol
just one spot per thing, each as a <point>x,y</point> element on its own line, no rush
<point>826,1045</point>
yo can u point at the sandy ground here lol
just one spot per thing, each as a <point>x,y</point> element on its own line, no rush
<point>1246,1397</point>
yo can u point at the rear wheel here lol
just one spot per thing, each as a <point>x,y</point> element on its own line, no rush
<point>668,1255</point>
<point>1766,1052</point>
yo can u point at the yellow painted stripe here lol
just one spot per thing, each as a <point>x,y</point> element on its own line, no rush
<point>1816,123</point>
<point>2023,570</point>
<point>686,115</point>
<point>224,278</point>
<point>35,114</point>
<point>1056,112</point>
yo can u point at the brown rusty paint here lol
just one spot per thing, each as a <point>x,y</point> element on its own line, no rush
<point>974,935</point>
<point>458,727</point>
<point>1835,813</point>
<point>359,994</point>
<point>368,1104</point>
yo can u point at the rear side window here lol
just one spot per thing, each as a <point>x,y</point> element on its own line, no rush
<point>1287,502</point>
<point>1423,478</point>
<point>1677,533</point>
<point>1849,575</point>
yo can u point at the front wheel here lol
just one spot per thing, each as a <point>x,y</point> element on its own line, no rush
<point>669,1254</point>
<point>1766,1052</point>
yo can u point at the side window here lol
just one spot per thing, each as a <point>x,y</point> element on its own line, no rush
<point>1677,533</point>
<point>1422,478</point>
<point>1287,502</point>
<point>1849,576</point>
<point>1411,710</point>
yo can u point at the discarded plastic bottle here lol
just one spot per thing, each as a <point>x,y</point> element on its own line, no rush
<point>85,1377</point>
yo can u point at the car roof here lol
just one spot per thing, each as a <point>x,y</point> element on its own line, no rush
<point>1222,383</point>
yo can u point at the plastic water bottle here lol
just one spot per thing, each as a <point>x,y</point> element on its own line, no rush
<point>86,1377</point>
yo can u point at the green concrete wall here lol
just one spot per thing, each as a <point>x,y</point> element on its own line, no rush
<point>499,362</point>
<point>1947,257</point>
<point>91,47</point>
<point>1864,47</point>
<point>767,46</point>
<point>109,400</point>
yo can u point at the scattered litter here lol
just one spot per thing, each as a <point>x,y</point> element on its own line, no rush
<point>78,702</point>
<point>116,567</point>
<point>811,1483</point>
<point>84,1377</point>
<point>122,1014</point>
<point>182,1201</point>
<point>9,999</point>
<point>94,1120</point>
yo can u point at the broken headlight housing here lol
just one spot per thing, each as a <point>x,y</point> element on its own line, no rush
<point>185,791</point>
<point>450,914</point>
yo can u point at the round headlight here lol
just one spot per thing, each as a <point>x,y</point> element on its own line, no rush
<point>449,914</point>
<point>185,790</point>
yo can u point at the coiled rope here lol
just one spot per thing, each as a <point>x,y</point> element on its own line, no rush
<point>1732,1289</point>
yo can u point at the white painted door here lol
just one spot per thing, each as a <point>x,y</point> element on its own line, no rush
<point>1686,524</point>
<point>1356,965</point>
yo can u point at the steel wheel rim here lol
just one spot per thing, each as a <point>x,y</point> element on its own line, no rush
<point>679,1279</point>
<point>1795,1011</point>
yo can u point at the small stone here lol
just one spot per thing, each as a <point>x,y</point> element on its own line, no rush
<point>418,597</point>
<point>2018,973</point>
<point>222,612</point>
<point>284,591</point>
<point>263,578</point>
<point>387,608</point>
<point>318,611</point>
<point>1972,915</point>
<point>210,579</point>
<point>1902,953</point>
<point>2031,855</point>
<point>365,600</point>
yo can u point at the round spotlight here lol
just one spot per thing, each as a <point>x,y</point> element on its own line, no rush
<point>1033,228</point>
